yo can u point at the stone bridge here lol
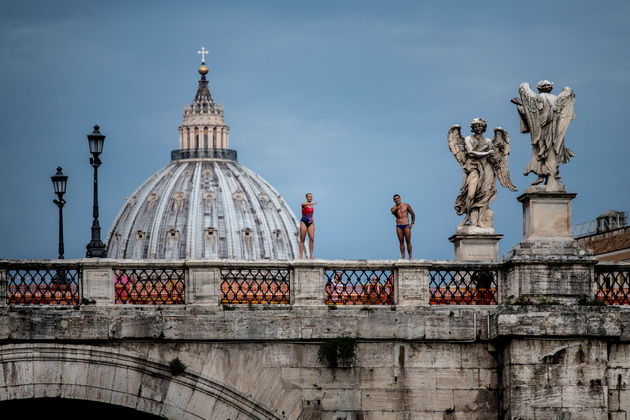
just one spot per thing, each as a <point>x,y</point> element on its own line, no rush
<point>528,337</point>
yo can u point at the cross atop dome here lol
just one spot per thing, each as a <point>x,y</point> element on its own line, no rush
<point>203,53</point>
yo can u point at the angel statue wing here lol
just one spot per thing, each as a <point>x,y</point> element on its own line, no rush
<point>499,159</point>
<point>456,144</point>
<point>563,112</point>
<point>533,109</point>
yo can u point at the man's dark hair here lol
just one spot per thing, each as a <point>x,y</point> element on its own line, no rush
<point>395,195</point>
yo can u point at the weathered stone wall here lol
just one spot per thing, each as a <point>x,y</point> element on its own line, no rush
<point>527,379</point>
<point>261,380</point>
<point>554,359</point>
<point>523,361</point>
<point>419,362</point>
<point>618,381</point>
<point>565,379</point>
<point>400,380</point>
<point>555,379</point>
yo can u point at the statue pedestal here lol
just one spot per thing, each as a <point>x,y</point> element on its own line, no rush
<point>547,215</point>
<point>479,247</point>
<point>546,225</point>
<point>548,265</point>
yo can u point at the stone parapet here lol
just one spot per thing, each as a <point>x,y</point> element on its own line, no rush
<point>557,321</point>
<point>564,279</point>
<point>464,324</point>
<point>424,323</point>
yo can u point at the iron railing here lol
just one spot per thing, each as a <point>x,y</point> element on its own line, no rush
<point>359,287</point>
<point>612,284</point>
<point>255,286</point>
<point>42,285</point>
<point>143,286</point>
<point>458,286</point>
<point>445,283</point>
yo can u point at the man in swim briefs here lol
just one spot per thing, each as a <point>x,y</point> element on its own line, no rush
<point>402,211</point>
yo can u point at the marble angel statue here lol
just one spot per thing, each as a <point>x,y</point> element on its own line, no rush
<point>482,161</point>
<point>546,117</point>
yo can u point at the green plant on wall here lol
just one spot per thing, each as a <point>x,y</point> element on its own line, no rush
<point>338,352</point>
<point>177,367</point>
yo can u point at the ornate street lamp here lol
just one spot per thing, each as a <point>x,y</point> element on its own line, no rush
<point>60,181</point>
<point>96,248</point>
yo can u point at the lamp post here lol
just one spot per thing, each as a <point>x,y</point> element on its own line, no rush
<point>96,248</point>
<point>60,181</point>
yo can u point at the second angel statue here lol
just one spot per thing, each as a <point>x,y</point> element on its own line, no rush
<point>482,161</point>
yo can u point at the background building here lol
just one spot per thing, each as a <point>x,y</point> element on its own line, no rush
<point>204,204</point>
<point>608,236</point>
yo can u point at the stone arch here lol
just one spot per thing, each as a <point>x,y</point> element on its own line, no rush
<point>108,375</point>
<point>72,409</point>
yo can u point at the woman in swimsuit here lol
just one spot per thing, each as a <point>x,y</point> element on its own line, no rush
<point>307,225</point>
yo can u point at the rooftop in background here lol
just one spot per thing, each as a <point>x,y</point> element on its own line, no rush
<point>608,221</point>
<point>608,236</point>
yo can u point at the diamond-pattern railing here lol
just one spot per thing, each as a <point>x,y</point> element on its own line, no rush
<point>145,286</point>
<point>463,287</point>
<point>359,287</point>
<point>255,286</point>
<point>612,284</point>
<point>58,285</point>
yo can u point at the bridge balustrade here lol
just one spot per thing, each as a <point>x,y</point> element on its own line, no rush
<point>255,286</point>
<point>283,283</point>
<point>147,286</point>
<point>461,286</point>
<point>42,284</point>
<point>359,287</point>
<point>612,284</point>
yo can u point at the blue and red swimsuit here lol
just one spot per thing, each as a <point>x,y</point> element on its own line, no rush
<point>307,215</point>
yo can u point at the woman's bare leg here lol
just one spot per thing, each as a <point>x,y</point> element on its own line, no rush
<point>311,239</point>
<point>302,238</point>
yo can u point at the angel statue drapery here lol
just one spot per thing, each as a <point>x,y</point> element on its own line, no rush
<point>546,117</point>
<point>482,161</point>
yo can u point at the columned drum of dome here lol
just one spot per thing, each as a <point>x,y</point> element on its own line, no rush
<point>204,204</point>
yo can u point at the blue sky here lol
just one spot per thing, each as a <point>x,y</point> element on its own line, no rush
<point>350,100</point>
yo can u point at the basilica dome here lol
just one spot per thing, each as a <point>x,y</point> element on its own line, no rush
<point>204,204</point>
